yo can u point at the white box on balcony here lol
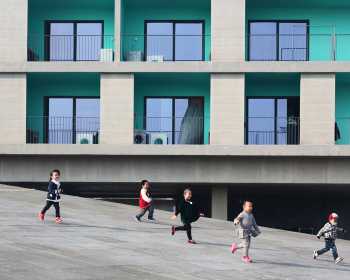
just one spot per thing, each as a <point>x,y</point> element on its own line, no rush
<point>84,138</point>
<point>106,55</point>
<point>157,138</point>
<point>134,56</point>
<point>155,58</point>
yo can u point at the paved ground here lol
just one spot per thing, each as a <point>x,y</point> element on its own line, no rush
<point>99,240</point>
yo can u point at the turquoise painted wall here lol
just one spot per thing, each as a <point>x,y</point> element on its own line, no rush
<point>41,85</point>
<point>172,85</point>
<point>272,84</point>
<point>40,12</point>
<point>342,107</point>
<point>135,16</point>
<point>321,22</point>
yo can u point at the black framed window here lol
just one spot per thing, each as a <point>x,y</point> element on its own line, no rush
<point>278,40</point>
<point>272,120</point>
<point>174,40</point>
<point>73,40</point>
<point>174,120</point>
<point>72,120</point>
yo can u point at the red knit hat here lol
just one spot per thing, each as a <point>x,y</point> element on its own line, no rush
<point>333,216</point>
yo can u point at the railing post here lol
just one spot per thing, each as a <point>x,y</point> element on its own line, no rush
<point>334,44</point>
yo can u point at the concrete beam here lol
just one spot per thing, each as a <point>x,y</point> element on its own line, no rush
<point>227,109</point>
<point>317,109</point>
<point>228,30</point>
<point>117,109</point>
<point>219,204</point>
<point>13,108</point>
<point>117,29</point>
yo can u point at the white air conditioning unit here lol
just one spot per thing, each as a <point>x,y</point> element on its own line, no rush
<point>84,138</point>
<point>158,138</point>
<point>134,56</point>
<point>155,58</point>
<point>140,136</point>
<point>106,55</point>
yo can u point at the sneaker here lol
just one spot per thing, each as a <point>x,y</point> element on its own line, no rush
<point>173,230</point>
<point>152,219</point>
<point>137,219</point>
<point>41,216</point>
<point>234,248</point>
<point>315,255</point>
<point>246,259</point>
<point>249,259</point>
<point>338,260</point>
<point>192,242</point>
<point>58,220</point>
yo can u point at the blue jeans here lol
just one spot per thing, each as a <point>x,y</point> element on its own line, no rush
<point>329,245</point>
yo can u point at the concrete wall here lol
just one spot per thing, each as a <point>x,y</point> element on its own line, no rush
<point>317,108</point>
<point>13,108</point>
<point>13,30</point>
<point>228,30</point>
<point>117,109</point>
<point>219,202</point>
<point>227,109</point>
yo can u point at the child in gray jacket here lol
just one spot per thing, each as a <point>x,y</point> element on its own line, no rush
<point>247,228</point>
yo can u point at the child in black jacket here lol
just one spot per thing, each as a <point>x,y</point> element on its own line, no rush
<point>53,196</point>
<point>189,214</point>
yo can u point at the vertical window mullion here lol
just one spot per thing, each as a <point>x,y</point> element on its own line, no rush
<point>75,41</point>
<point>173,120</point>
<point>277,40</point>
<point>74,120</point>
<point>174,39</point>
<point>276,120</point>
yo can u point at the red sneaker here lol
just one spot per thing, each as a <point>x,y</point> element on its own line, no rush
<point>41,216</point>
<point>192,242</point>
<point>172,230</point>
<point>58,220</point>
<point>249,259</point>
<point>234,248</point>
<point>246,259</point>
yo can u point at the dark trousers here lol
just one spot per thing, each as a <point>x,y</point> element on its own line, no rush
<point>143,211</point>
<point>49,204</point>
<point>329,245</point>
<point>187,228</point>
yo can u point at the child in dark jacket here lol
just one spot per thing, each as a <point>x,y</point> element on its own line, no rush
<point>189,214</point>
<point>330,231</point>
<point>53,196</point>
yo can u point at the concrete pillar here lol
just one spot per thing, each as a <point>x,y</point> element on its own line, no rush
<point>219,203</point>
<point>117,29</point>
<point>317,109</point>
<point>117,109</point>
<point>13,30</point>
<point>13,108</point>
<point>227,109</point>
<point>228,30</point>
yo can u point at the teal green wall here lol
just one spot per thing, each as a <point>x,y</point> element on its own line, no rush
<point>342,107</point>
<point>40,85</point>
<point>272,84</point>
<point>135,16</point>
<point>40,10</point>
<point>321,20</point>
<point>172,85</point>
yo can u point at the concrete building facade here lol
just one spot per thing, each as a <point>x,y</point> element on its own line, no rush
<point>231,97</point>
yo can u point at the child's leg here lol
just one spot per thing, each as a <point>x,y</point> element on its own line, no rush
<point>57,208</point>
<point>334,251</point>
<point>150,211</point>
<point>187,228</point>
<point>244,244</point>
<point>325,249</point>
<point>46,207</point>
<point>141,213</point>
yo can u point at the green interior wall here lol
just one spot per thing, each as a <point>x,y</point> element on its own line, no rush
<point>148,85</point>
<point>41,85</point>
<point>342,107</point>
<point>136,13</point>
<point>39,11</point>
<point>321,18</point>
<point>270,84</point>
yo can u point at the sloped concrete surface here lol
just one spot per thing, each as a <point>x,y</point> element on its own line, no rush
<point>100,240</point>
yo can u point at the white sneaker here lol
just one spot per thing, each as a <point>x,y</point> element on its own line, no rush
<point>338,260</point>
<point>315,255</point>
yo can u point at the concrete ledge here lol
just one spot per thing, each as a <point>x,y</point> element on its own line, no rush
<point>178,150</point>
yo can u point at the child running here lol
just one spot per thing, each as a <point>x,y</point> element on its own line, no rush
<point>145,202</point>
<point>189,214</point>
<point>330,231</point>
<point>247,228</point>
<point>53,196</point>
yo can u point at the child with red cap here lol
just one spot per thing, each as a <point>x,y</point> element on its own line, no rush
<point>330,231</point>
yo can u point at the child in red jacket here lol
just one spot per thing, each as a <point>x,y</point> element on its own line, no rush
<point>145,202</point>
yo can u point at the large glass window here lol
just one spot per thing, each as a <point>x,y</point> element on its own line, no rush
<point>174,40</point>
<point>67,41</point>
<point>73,120</point>
<point>174,120</point>
<point>272,121</point>
<point>278,40</point>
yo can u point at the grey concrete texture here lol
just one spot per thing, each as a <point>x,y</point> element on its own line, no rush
<point>100,240</point>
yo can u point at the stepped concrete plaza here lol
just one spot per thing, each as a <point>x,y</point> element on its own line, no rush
<point>100,240</point>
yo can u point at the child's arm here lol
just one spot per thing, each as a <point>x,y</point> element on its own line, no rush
<point>322,231</point>
<point>51,190</point>
<point>255,226</point>
<point>341,230</point>
<point>144,196</point>
<point>177,211</point>
<point>238,219</point>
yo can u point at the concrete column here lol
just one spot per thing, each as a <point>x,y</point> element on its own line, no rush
<point>117,109</point>
<point>219,203</point>
<point>13,30</point>
<point>317,109</point>
<point>227,109</point>
<point>228,30</point>
<point>117,29</point>
<point>13,108</point>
